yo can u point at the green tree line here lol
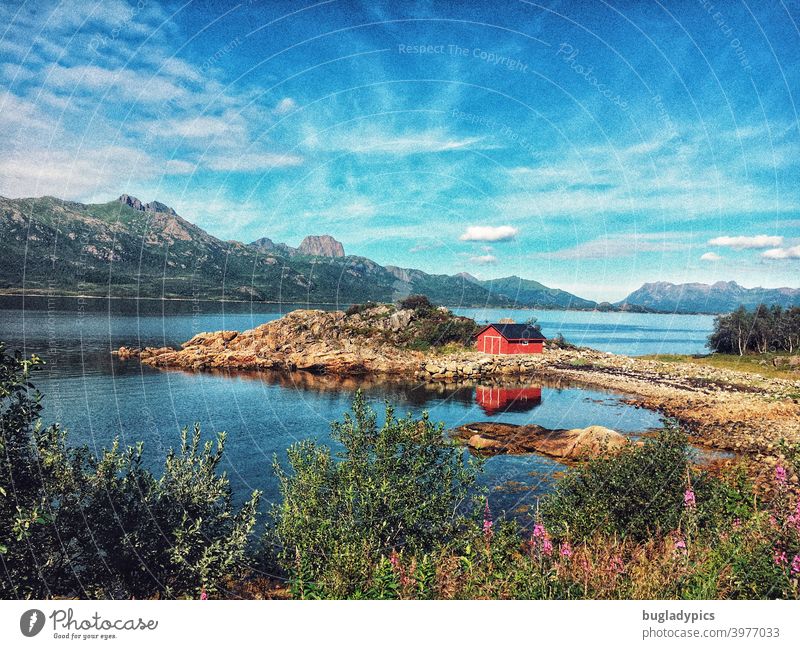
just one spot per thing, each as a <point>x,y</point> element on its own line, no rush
<point>762,330</point>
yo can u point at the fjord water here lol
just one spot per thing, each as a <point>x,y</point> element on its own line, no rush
<point>99,398</point>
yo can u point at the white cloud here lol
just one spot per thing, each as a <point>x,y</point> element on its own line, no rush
<point>782,253</point>
<point>285,105</point>
<point>710,256</point>
<point>484,260</point>
<point>743,243</point>
<point>489,233</point>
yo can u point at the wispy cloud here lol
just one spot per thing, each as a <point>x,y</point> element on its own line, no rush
<point>619,245</point>
<point>252,161</point>
<point>285,105</point>
<point>710,256</point>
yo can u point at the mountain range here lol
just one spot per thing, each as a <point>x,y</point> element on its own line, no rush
<point>720,297</point>
<point>127,248</point>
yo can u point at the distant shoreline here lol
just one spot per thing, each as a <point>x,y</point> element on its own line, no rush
<point>136,298</point>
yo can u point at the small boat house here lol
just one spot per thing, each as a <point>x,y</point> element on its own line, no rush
<point>500,338</point>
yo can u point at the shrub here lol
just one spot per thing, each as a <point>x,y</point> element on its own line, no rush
<point>636,493</point>
<point>355,309</point>
<point>75,525</point>
<point>400,485</point>
<point>417,303</point>
<point>559,342</point>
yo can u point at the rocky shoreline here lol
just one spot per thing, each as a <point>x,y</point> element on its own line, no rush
<point>725,409</point>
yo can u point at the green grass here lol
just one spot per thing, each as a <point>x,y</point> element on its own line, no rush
<point>748,363</point>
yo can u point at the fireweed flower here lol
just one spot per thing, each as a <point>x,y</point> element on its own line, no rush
<point>203,593</point>
<point>688,499</point>
<point>566,550</point>
<point>540,540</point>
<point>394,560</point>
<point>487,521</point>
<point>794,519</point>
<point>615,565</point>
<point>795,569</point>
<point>780,557</point>
<point>737,523</point>
<point>780,475</point>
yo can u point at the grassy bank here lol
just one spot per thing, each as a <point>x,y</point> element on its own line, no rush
<point>761,364</point>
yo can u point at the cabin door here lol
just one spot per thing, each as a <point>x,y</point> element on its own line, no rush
<point>491,344</point>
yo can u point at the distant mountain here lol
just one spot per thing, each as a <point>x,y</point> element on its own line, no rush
<point>128,248</point>
<point>529,293</point>
<point>721,297</point>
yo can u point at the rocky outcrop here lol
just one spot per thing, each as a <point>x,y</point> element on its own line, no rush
<point>568,445</point>
<point>321,246</point>
<point>315,341</point>
<point>787,362</point>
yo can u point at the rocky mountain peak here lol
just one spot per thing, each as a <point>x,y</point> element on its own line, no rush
<point>131,201</point>
<point>154,206</point>
<point>321,246</point>
<point>468,277</point>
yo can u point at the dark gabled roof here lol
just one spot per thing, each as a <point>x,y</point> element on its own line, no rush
<point>516,331</point>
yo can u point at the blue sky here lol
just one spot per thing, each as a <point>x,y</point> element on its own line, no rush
<point>589,146</point>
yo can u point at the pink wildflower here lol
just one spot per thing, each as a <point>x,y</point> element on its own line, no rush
<point>795,569</point>
<point>794,519</point>
<point>203,593</point>
<point>566,550</point>
<point>540,540</point>
<point>615,565</point>
<point>737,523</point>
<point>394,560</point>
<point>487,521</point>
<point>780,475</point>
<point>780,557</point>
<point>688,499</point>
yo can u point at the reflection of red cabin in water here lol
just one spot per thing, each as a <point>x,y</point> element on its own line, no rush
<point>499,399</point>
<point>510,339</point>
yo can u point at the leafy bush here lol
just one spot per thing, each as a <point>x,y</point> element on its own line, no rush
<point>355,309</point>
<point>75,525</point>
<point>559,342</point>
<point>401,485</point>
<point>636,493</point>
<point>417,303</point>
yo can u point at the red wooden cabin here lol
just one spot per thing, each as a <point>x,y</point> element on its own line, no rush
<point>510,339</point>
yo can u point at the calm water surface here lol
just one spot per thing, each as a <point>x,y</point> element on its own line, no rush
<point>99,398</point>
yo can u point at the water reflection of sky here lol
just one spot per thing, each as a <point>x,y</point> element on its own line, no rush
<point>98,398</point>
